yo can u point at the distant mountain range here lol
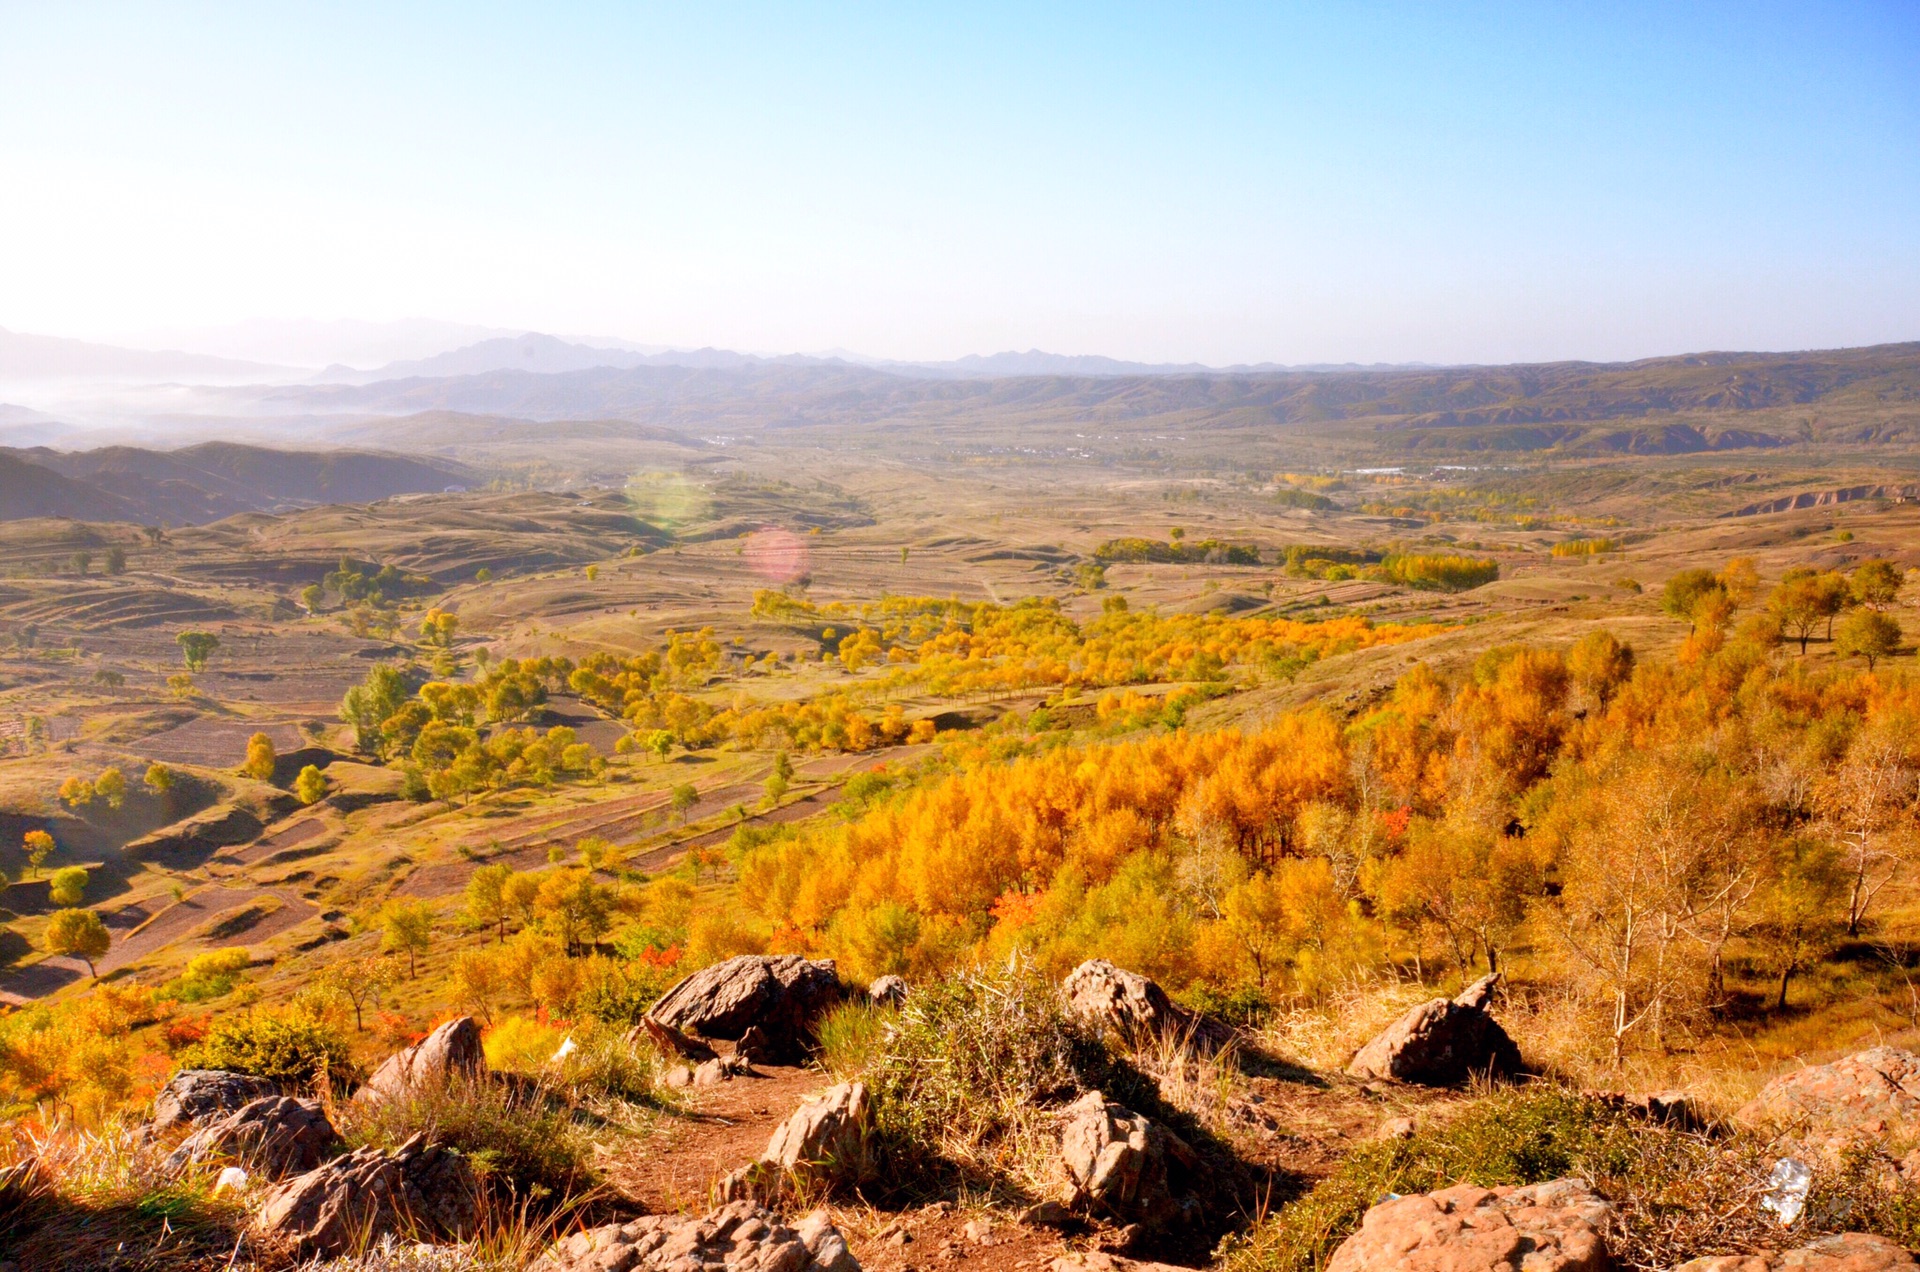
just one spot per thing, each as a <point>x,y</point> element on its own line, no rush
<point>25,357</point>
<point>204,483</point>
<point>1680,404</point>
<point>545,354</point>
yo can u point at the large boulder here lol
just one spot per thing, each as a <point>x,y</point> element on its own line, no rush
<point>780,995</point>
<point>1553,1227</point>
<point>1124,1165</point>
<point>418,1188</point>
<point>1442,1043</point>
<point>277,1136</point>
<point>452,1050</point>
<point>193,1094</point>
<point>740,1237</point>
<point>1132,1007</point>
<point>1875,1091</point>
<point>1848,1252</point>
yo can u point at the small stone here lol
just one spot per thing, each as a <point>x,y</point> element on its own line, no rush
<point>1045,1214</point>
<point>1396,1128</point>
<point>230,1179</point>
<point>977,1231</point>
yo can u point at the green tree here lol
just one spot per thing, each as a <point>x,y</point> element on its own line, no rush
<point>159,778</point>
<point>82,562</point>
<point>685,796</point>
<point>311,596</point>
<point>487,904</point>
<point>406,927</point>
<point>260,758</point>
<point>1801,909</point>
<point>116,560</point>
<point>574,908</point>
<point>67,886</point>
<point>1685,592</point>
<point>360,981</point>
<point>37,844</point>
<point>111,786</point>
<point>1876,583</point>
<point>196,648</point>
<point>438,628</point>
<point>520,893</point>
<point>78,934</point>
<point>311,786</point>
<point>370,704</point>
<point>1868,634</point>
<point>1796,605</point>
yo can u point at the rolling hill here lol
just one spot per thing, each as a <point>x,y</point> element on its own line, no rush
<point>204,483</point>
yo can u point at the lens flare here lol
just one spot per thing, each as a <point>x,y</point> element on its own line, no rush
<point>667,500</point>
<point>776,555</point>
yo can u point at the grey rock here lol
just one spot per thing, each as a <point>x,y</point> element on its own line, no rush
<point>781,995</point>
<point>192,1094</point>
<point>1442,1043</point>
<point>1134,1008</point>
<point>451,1050</point>
<point>276,1136</point>
<point>1122,1164</point>
<point>888,991</point>
<point>738,1237</point>
<point>418,1187</point>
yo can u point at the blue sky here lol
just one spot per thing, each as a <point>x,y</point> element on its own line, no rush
<point>1219,183</point>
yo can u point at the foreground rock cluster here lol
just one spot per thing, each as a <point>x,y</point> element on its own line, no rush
<point>1120,1166</point>
<point>739,1237</point>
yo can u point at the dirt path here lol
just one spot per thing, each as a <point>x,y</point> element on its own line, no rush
<point>719,1128</point>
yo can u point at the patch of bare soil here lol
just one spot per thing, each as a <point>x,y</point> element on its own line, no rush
<point>717,1129</point>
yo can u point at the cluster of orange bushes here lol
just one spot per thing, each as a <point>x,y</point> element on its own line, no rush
<point>1651,833</point>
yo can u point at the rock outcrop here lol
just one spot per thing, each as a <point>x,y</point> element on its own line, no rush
<point>824,1141</point>
<point>1553,1227</point>
<point>1132,1007</point>
<point>1878,1090</point>
<point>888,991</point>
<point>193,1094</point>
<point>1442,1043</point>
<point>1848,1252</point>
<point>828,1132</point>
<point>275,1136</point>
<point>740,1237</point>
<point>417,1188</point>
<point>451,1050</point>
<point>780,995</point>
<point>1123,1165</point>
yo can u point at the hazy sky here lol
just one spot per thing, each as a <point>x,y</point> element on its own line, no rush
<point>1221,183</point>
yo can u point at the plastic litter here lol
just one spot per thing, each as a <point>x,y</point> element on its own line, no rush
<point>1787,1188</point>
<point>567,1048</point>
<point>231,1178</point>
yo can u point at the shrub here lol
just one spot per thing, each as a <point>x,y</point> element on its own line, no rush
<point>523,1139</point>
<point>1676,1193</point>
<point>972,1066</point>
<point>289,1048</point>
<point>853,1037</point>
<point>210,975</point>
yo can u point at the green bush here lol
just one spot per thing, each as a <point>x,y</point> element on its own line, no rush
<point>289,1048</point>
<point>1677,1193</point>
<point>209,975</point>
<point>974,1062</point>
<point>852,1038</point>
<point>526,1143</point>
